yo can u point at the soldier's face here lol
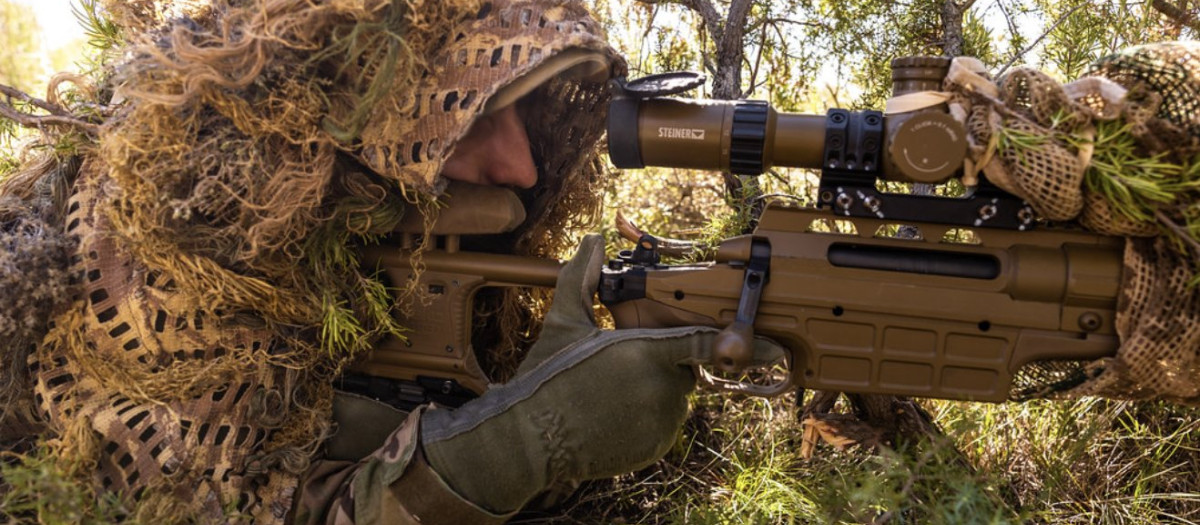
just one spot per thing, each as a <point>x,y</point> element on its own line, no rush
<point>494,152</point>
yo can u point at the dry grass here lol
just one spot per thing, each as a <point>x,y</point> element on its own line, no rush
<point>1085,461</point>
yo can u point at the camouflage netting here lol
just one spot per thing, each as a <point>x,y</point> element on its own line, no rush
<point>252,144</point>
<point>1119,151</point>
<point>34,252</point>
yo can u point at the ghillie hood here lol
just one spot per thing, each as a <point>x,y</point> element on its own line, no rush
<point>248,148</point>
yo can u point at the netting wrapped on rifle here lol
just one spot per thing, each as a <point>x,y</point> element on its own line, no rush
<point>1118,151</point>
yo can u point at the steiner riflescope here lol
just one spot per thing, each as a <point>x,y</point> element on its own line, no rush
<point>647,127</point>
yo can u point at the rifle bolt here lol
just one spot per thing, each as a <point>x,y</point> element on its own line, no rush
<point>1090,322</point>
<point>987,211</point>
<point>872,203</point>
<point>844,201</point>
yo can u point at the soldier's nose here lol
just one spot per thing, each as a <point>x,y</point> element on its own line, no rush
<point>495,152</point>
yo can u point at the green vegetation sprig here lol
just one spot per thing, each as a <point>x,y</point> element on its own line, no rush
<point>356,307</point>
<point>1135,184</point>
<point>40,487</point>
<point>1019,141</point>
<point>103,35</point>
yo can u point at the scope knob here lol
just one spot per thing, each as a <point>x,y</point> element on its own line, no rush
<point>749,137</point>
<point>918,73</point>
<point>928,146</point>
<point>920,61</point>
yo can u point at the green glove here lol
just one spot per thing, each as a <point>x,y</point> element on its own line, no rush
<point>586,404</point>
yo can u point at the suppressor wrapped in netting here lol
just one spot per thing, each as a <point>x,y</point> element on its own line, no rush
<point>1118,151</point>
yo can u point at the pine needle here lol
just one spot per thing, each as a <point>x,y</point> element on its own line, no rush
<point>1135,185</point>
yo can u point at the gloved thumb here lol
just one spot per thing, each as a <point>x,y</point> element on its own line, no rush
<point>578,280</point>
<point>570,317</point>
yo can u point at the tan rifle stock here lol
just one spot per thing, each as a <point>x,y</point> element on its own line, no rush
<point>858,312</point>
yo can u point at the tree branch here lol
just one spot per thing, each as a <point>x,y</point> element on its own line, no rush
<point>57,115</point>
<point>1012,27</point>
<point>762,44</point>
<point>735,24</point>
<point>952,28</point>
<point>777,20</point>
<point>41,121</point>
<point>704,8</point>
<point>11,93</point>
<point>1038,40</point>
<point>1176,14</point>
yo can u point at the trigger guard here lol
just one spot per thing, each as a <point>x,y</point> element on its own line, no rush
<point>714,383</point>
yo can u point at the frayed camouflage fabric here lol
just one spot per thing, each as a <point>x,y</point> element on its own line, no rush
<point>217,218</point>
<point>170,392</point>
<point>394,484</point>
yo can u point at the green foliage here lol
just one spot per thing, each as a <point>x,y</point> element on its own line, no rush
<point>104,37</point>
<point>20,63</point>
<point>1133,183</point>
<point>102,33</point>
<point>35,488</point>
<point>1085,461</point>
<point>356,309</point>
<point>20,67</point>
<point>1088,30</point>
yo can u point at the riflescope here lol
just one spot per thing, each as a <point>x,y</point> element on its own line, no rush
<point>648,127</point>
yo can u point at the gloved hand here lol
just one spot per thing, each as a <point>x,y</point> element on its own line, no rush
<point>586,404</point>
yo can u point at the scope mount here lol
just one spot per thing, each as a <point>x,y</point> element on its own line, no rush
<point>851,166</point>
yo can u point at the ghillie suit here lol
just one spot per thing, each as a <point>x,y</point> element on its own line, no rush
<point>34,282</point>
<point>252,146</point>
<point>1118,151</point>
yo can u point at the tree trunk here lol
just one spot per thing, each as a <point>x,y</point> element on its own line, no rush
<point>952,27</point>
<point>727,34</point>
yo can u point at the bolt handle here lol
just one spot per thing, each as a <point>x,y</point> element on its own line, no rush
<point>733,348</point>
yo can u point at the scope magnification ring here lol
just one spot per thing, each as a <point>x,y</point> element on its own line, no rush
<point>749,137</point>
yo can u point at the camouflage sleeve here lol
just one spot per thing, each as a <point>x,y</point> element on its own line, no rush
<point>394,484</point>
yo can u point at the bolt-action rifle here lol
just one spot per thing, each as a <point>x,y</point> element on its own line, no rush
<point>1016,308</point>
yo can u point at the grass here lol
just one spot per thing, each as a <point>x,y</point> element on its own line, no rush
<point>1081,461</point>
<point>39,490</point>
